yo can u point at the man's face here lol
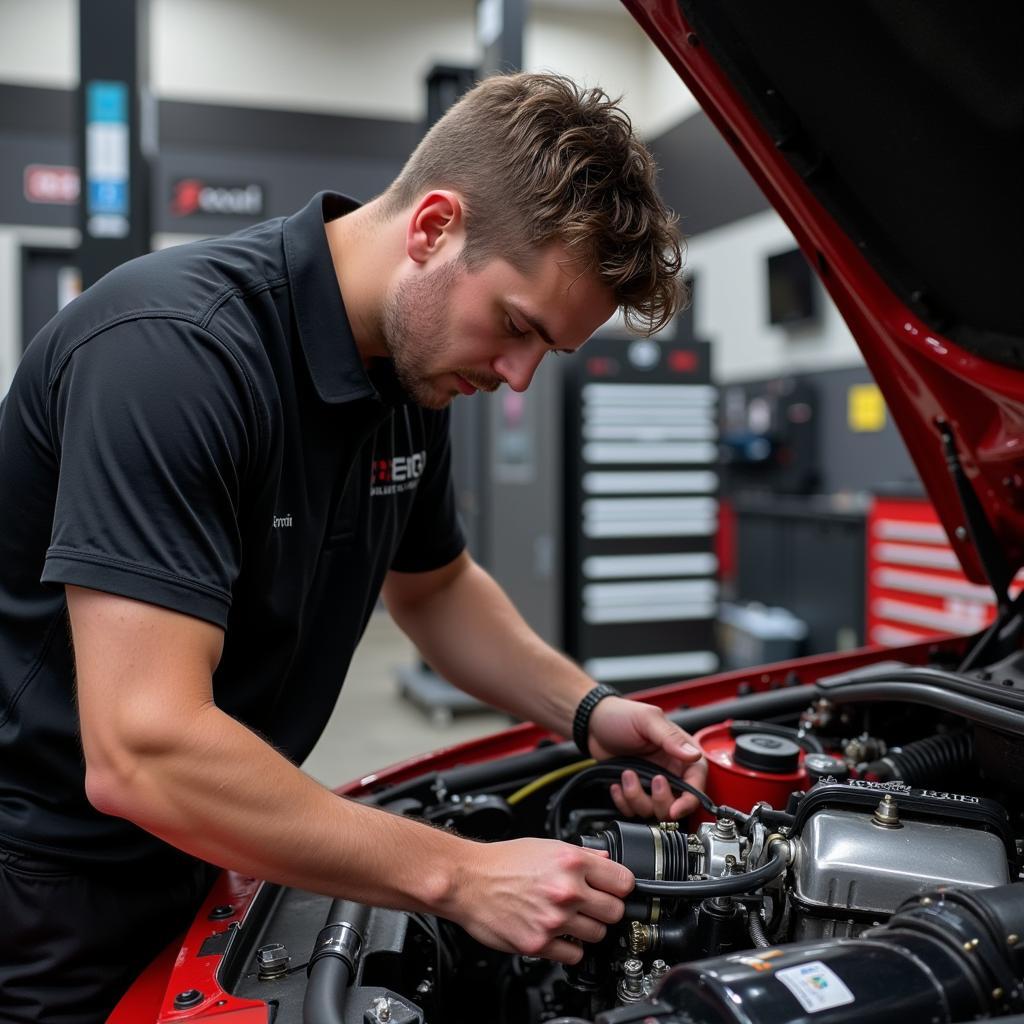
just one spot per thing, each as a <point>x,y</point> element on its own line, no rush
<point>450,331</point>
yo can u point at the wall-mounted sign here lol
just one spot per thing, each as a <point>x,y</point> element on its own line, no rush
<point>50,183</point>
<point>195,195</point>
<point>106,159</point>
<point>865,409</point>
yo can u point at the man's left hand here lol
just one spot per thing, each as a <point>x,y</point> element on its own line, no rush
<point>620,727</point>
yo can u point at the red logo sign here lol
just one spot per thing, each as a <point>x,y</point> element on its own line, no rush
<point>44,183</point>
<point>193,195</point>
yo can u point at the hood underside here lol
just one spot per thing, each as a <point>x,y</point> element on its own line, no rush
<point>889,135</point>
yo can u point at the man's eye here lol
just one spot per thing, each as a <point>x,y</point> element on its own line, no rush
<point>512,329</point>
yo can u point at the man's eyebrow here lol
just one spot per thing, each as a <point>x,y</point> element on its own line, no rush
<point>538,325</point>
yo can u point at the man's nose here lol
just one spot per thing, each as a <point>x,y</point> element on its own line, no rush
<point>518,367</point>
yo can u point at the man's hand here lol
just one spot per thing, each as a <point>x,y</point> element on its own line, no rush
<point>534,896</point>
<point>625,727</point>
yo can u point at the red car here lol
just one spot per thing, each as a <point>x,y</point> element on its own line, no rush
<point>858,852</point>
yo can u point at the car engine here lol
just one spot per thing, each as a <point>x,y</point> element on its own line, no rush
<point>855,856</point>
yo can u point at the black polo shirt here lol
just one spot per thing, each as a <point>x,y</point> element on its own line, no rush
<point>198,431</point>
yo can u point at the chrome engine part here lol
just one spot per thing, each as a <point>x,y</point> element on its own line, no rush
<point>853,868</point>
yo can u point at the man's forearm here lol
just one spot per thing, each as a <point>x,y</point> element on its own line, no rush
<point>222,794</point>
<point>472,635</point>
<point>226,796</point>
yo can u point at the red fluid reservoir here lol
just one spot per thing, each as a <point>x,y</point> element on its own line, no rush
<point>750,767</point>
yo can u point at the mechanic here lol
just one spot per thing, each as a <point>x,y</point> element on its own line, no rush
<point>212,463</point>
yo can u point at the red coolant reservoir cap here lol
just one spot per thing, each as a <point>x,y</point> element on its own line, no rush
<point>762,752</point>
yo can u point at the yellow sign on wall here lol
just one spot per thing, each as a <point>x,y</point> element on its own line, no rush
<point>865,408</point>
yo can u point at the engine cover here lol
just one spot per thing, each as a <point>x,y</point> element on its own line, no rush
<point>856,859</point>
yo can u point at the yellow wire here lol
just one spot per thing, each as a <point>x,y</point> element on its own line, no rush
<point>560,773</point>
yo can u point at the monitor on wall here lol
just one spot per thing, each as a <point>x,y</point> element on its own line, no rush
<point>791,291</point>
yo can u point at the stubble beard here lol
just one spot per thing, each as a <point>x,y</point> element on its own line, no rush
<point>415,323</point>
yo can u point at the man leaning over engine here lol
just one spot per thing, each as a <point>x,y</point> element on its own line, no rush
<point>213,462</point>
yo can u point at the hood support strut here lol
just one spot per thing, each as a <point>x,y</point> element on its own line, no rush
<point>1004,633</point>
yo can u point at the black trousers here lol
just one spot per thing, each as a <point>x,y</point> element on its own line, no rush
<point>73,941</point>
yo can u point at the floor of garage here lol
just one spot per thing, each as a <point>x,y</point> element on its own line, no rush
<point>373,726</point>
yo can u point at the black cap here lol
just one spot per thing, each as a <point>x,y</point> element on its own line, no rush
<point>823,766</point>
<point>763,752</point>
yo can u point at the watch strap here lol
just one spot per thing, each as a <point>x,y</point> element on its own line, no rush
<point>585,708</point>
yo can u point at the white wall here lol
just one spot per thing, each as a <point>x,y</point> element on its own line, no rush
<point>346,56</point>
<point>350,57</point>
<point>731,306</point>
<point>39,42</point>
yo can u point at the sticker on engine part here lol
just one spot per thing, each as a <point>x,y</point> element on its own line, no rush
<point>815,986</point>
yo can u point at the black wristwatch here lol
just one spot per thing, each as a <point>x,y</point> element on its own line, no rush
<point>585,708</point>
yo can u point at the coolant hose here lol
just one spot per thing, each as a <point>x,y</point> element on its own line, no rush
<point>332,967</point>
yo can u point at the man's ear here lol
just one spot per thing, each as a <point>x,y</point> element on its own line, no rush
<point>436,224</point>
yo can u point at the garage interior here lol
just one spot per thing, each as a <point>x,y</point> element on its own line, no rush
<point>796,521</point>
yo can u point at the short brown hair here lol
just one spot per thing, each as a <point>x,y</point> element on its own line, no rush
<point>538,159</point>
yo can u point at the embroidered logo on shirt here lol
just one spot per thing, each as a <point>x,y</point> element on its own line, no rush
<point>401,473</point>
<point>280,521</point>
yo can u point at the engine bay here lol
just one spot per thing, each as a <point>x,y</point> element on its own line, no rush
<point>855,855</point>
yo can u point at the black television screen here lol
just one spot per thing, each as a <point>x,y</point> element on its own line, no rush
<point>791,295</point>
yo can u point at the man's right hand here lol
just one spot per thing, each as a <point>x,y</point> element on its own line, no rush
<point>534,896</point>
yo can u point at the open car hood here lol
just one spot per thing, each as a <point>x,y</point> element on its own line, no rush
<point>889,135</point>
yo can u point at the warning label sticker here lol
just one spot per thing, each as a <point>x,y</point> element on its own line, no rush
<point>815,986</point>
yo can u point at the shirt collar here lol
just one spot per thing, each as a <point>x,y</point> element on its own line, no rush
<point>324,329</point>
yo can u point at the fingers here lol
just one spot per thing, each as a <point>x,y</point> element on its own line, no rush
<point>562,951</point>
<point>633,801</point>
<point>671,740</point>
<point>586,929</point>
<point>697,776</point>
<point>605,876</point>
<point>580,928</point>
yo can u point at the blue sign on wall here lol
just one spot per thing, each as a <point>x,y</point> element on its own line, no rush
<point>107,159</point>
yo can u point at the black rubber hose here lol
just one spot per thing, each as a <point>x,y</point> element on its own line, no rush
<point>925,760</point>
<point>956,682</point>
<point>730,885</point>
<point>755,926</point>
<point>932,696</point>
<point>330,973</point>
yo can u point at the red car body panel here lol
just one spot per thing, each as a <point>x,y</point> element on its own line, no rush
<point>924,377</point>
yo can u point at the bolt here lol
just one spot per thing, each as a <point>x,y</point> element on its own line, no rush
<point>220,912</point>
<point>997,993</point>
<point>926,901</point>
<point>961,533</point>
<point>272,961</point>
<point>659,969</point>
<point>725,828</point>
<point>631,988</point>
<point>187,999</point>
<point>381,1009</point>
<point>887,814</point>
<point>425,987</point>
<point>1012,939</point>
<point>970,945</point>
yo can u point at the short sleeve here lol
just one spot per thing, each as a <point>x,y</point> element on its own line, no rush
<point>433,536</point>
<point>156,429</point>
